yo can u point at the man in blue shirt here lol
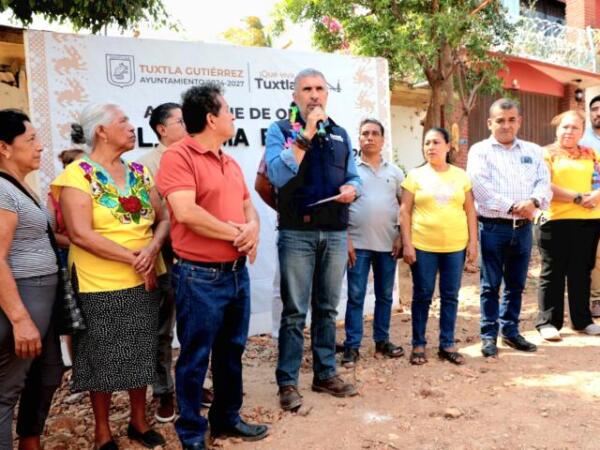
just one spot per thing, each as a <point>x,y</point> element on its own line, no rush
<point>373,241</point>
<point>309,159</point>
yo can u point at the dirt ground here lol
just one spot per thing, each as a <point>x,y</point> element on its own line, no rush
<point>542,400</point>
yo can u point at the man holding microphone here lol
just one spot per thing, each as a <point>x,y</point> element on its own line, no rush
<point>310,162</point>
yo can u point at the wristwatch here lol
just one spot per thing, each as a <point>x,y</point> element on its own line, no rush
<point>578,198</point>
<point>535,201</point>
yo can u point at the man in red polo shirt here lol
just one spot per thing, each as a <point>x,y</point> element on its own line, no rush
<point>214,229</point>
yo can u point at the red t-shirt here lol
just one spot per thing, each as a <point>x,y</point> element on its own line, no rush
<point>220,189</point>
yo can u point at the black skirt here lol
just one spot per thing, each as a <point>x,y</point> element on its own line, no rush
<point>118,350</point>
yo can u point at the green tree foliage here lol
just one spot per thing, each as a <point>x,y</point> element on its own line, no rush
<point>253,35</point>
<point>446,42</point>
<point>90,14</point>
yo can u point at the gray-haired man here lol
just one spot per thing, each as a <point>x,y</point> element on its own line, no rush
<point>310,162</point>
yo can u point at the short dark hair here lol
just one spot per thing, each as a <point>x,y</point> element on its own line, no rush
<point>12,124</point>
<point>197,102</point>
<point>374,122</point>
<point>504,104</point>
<point>594,100</point>
<point>160,114</point>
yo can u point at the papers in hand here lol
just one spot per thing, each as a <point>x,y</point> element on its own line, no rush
<point>325,200</point>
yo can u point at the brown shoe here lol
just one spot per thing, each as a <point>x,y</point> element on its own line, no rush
<point>207,397</point>
<point>289,398</point>
<point>165,412</point>
<point>595,308</point>
<point>334,386</point>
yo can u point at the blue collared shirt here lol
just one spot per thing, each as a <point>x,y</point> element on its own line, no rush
<point>504,176</point>
<point>282,165</point>
<point>373,216</point>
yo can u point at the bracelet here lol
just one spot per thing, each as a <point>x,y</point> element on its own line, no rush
<point>302,142</point>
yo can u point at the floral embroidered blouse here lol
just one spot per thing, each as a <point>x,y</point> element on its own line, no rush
<point>123,216</point>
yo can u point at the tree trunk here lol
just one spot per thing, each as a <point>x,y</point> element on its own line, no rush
<point>433,118</point>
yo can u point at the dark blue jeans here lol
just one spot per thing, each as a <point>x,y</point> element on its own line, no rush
<point>317,259</point>
<point>424,272</point>
<point>384,270</point>
<point>213,312</point>
<point>505,253</point>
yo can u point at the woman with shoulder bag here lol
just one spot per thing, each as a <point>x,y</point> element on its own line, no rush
<point>30,361</point>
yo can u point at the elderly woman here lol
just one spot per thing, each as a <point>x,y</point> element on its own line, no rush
<point>30,360</point>
<point>110,208</point>
<point>439,228</point>
<point>568,240</point>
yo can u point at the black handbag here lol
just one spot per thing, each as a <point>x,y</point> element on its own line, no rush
<point>67,313</point>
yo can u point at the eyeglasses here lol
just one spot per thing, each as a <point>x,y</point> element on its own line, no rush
<point>178,121</point>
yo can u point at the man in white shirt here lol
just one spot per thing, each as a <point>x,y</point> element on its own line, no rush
<point>510,182</point>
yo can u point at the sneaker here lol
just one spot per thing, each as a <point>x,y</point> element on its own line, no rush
<point>595,308</point>
<point>334,386</point>
<point>165,412</point>
<point>549,333</point>
<point>350,357</point>
<point>592,330</point>
<point>289,398</point>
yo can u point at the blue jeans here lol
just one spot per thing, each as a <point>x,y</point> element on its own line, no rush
<point>505,256</point>
<point>213,312</point>
<point>384,270</point>
<point>424,272</point>
<point>306,258</point>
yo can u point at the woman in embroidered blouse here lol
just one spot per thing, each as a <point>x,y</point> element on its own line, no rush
<point>110,208</point>
<point>568,239</point>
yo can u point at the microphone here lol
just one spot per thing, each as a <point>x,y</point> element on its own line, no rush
<point>321,128</point>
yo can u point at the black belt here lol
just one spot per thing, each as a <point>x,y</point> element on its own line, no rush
<point>497,220</point>
<point>230,266</point>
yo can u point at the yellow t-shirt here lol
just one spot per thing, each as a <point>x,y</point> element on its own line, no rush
<point>439,221</point>
<point>125,217</point>
<point>571,173</point>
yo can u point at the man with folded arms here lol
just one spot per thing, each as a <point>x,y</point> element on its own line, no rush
<point>214,230</point>
<point>510,182</point>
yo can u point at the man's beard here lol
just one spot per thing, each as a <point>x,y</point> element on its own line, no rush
<point>596,124</point>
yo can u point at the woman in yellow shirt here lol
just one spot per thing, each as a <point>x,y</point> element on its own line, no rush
<point>439,228</point>
<point>110,208</point>
<point>568,240</point>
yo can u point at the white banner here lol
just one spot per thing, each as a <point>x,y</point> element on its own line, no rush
<point>65,72</point>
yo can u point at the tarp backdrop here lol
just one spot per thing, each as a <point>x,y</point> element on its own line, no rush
<point>66,72</point>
